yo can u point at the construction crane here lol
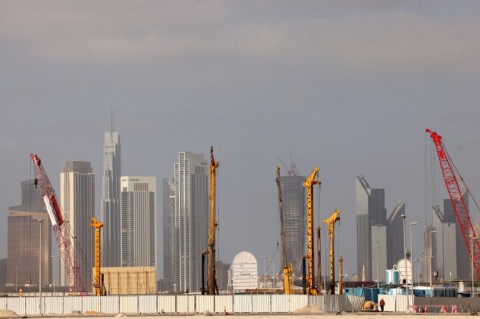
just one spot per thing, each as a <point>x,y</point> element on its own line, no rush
<point>308,184</point>
<point>457,200</point>
<point>330,222</point>
<point>211,280</point>
<point>98,282</point>
<point>287,267</point>
<point>60,227</point>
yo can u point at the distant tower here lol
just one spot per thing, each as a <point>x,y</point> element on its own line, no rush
<point>139,221</point>
<point>110,209</point>
<point>294,212</point>
<point>77,185</point>
<point>372,227</point>
<point>170,265</point>
<point>186,218</point>
<point>23,239</point>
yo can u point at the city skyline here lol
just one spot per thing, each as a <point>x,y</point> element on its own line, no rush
<point>348,87</point>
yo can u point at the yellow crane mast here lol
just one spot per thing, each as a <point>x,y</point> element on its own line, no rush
<point>330,222</point>
<point>212,281</point>
<point>99,291</point>
<point>287,267</point>
<point>308,184</point>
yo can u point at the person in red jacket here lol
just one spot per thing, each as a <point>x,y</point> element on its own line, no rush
<point>382,303</point>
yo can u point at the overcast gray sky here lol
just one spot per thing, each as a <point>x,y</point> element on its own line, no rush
<point>348,86</point>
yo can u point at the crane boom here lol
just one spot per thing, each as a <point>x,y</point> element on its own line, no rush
<point>308,184</point>
<point>287,268</point>
<point>97,284</point>
<point>457,200</point>
<point>330,222</point>
<point>60,228</point>
<point>212,281</point>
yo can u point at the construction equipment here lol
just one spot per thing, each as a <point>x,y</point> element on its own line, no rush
<point>308,184</point>
<point>287,267</point>
<point>211,280</point>
<point>330,222</point>
<point>457,200</point>
<point>60,227</point>
<point>98,282</point>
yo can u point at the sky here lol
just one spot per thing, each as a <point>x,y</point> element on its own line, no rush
<point>345,86</point>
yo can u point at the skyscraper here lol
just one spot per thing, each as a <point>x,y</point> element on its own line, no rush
<point>110,210</point>
<point>24,248</point>
<point>169,264</point>
<point>138,221</point>
<point>294,214</point>
<point>187,221</point>
<point>77,185</point>
<point>373,227</point>
<point>450,255</point>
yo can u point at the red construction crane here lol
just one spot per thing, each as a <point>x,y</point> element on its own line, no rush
<point>458,203</point>
<point>60,227</point>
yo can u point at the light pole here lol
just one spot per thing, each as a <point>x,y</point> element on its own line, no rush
<point>431,257</point>
<point>411,249</point>
<point>16,279</point>
<point>378,279</point>
<point>40,269</point>
<point>264,279</point>
<point>405,260</point>
<point>472,254</point>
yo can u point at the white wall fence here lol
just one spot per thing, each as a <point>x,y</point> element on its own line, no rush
<point>172,304</point>
<point>435,305</point>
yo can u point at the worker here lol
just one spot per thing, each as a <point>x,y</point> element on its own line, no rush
<point>382,304</point>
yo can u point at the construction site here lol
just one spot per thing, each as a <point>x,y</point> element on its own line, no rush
<point>133,289</point>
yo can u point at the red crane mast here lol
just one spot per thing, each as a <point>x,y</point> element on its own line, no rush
<point>458,203</point>
<point>60,227</point>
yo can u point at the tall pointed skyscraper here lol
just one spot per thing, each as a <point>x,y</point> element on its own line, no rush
<point>110,211</point>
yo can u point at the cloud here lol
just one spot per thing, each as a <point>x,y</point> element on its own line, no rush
<point>164,31</point>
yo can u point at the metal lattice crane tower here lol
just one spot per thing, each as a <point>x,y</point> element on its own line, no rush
<point>457,200</point>
<point>60,227</point>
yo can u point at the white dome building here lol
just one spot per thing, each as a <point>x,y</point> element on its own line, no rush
<point>405,271</point>
<point>244,272</point>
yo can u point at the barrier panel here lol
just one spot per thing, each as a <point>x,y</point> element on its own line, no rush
<point>242,303</point>
<point>91,304</point>
<point>147,304</point>
<point>205,304</point>
<point>261,303</point>
<point>72,304</point>
<point>128,304</point>
<point>281,303</point>
<point>53,305</point>
<point>110,304</point>
<point>18,305</point>
<point>224,304</point>
<point>166,304</point>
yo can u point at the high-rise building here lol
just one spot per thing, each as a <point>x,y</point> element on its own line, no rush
<point>294,215</point>
<point>77,185</point>
<point>170,265</point>
<point>138,221</point>
<point>186,219</point>
<point>395,235</point>
<point>373,227</point>
<point>451,258</point>
<point>110,209</point>
<point>24,246</point>
<point>445,250</point>
<point>463,257</point>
